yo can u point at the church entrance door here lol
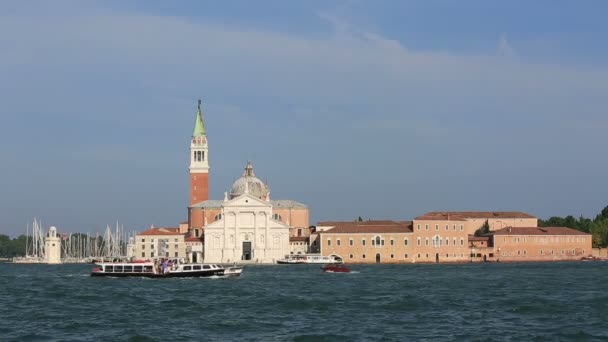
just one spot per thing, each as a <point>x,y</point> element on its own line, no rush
<point>377,258</point>
<point>246,251</point>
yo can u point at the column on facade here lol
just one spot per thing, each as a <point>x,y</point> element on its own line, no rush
<point>267,238</point>
<point>235,248</point>
<point>223,245</point>
<point>254,240</point>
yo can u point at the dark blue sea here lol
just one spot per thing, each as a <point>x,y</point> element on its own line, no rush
<point>467,302</point>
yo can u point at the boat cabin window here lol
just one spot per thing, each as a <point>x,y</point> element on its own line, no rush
<point>196,267</point>
<point>187,268</point>
<point>206,267</point>
<point>109,268</point>
<point>148,268</point>
<point>118,268</point>
<point>137,268</point>
<point>128,268</point>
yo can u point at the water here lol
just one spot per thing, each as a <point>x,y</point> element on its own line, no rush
<point>469,302</point>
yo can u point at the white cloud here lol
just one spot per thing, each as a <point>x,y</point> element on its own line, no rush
<point>347,88</point>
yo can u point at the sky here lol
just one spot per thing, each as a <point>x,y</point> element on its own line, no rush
<point>379,109</point>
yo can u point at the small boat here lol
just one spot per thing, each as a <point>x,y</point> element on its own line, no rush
<point>590,258</point>
<point>150,269</point>
<point>233,271</point>
<point>336,268</point>
<point>310,259</point>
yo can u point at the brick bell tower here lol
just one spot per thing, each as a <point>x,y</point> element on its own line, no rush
<point>199,161</point>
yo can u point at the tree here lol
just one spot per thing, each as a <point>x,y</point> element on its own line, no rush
<point>483,230</point>
<point>598,227</point>
<point>599,233</point>
<point>10,248</point>
<point>603,214</point>
<point>360,219</point>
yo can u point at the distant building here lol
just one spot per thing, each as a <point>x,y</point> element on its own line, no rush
<point>160,242</point>
<point>473,220</point>
<point>540,244</point>
<point>247,225</point>
<point>367,241</point>
<point>448,237</point>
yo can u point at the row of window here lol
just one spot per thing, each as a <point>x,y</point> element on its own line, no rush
<point>405,256</point>
<point>377,241</point>
<point>437,241</point>
<point>153,240</point>
<point>176,246</point>
<point>143,254</point>
<point>549,252</point>
<point>545,239</point>
<point>447,227</point>
<point>274,217</point>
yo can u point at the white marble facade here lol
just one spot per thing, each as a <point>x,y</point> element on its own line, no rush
<point>246,232</point>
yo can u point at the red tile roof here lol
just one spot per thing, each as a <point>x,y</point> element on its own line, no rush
<point>436,216</point>
<point>368,227</point>
<point>161,231</point>
<point>361,223</point>
<point>538,231</point>
<point>482,214</point>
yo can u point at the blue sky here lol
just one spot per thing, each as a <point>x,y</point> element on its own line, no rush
<point>383,109</point>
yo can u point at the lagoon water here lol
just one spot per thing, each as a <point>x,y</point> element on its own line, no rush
<point>480,302</point>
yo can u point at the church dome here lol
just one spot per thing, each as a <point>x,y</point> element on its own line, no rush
<point>251,184</point>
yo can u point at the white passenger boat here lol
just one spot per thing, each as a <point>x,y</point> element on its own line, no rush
<point>311,259</point>
<point>150,269</point>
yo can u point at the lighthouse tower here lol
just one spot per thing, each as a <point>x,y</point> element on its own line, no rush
<point>199,161</point>
<point>52,250</point>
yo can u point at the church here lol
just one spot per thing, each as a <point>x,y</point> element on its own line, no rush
<point>246,225</point>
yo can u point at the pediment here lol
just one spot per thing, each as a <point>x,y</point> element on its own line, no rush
<point>246,200</point>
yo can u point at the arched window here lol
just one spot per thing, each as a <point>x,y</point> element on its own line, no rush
<point>436,241</point>
<point>377,241</point>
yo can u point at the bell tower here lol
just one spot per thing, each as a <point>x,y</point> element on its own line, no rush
<point>199,161</point>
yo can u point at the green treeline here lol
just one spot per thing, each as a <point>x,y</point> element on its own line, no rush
<point>11,248</point>
<point>597,227</point>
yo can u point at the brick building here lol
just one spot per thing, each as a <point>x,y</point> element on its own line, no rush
<point>448,237</point>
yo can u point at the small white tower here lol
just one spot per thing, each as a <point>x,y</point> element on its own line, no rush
<point>52,248</point>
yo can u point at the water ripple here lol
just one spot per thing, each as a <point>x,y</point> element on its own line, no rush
<point>469,302</point>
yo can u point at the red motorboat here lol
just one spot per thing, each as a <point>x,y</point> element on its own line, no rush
<point>335,268</point>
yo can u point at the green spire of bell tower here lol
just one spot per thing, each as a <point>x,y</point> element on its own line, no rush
<point>199,125</point>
